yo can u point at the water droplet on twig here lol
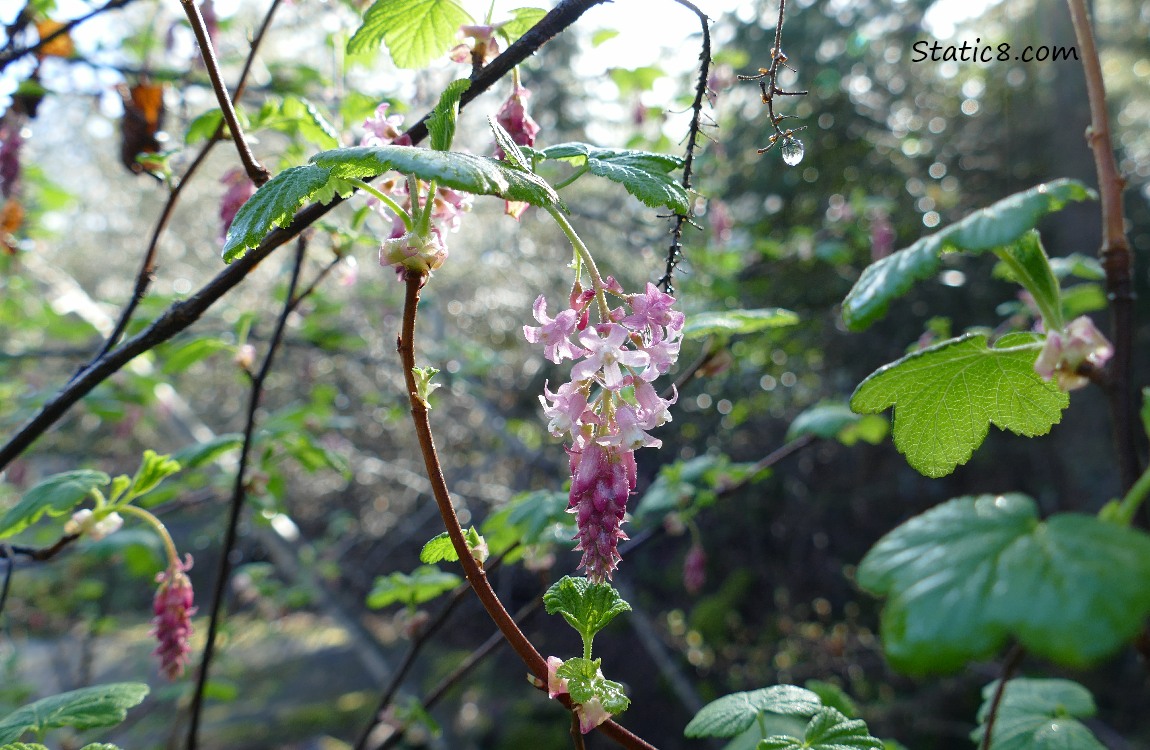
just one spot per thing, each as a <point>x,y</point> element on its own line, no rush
<point>792,151</point>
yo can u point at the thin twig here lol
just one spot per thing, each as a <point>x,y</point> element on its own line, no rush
<point>465,667</point>
<point>39,554</point>
<point>1013,658</point>
<point>9,566</point>
<point>181,315</point>
<point>471,568</point>
<point>675,251</point>
<point>576,733</point>
<point>13,55</point>
<point>768,79</point>
<point>146,274</point>
<point>256,172</point>
<point>238,495</point>
<point>1114,253</point>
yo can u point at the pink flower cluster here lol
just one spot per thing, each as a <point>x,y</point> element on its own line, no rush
<point>608,405</point>
<point>173,611</point>
<point>1068,353</point>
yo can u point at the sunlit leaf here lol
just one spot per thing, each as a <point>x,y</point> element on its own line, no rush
<point>415,31</point>
<point>57,495</point>
<point>732,322</point>
<point>522,19</point>
<point>947,396</point>
<point>588,607</point>
<point>422,585</point>
<point>585,681</point>
<point>645,175</point>
<point>441,122</point>
<point>828,730</point>
<point>735,713</point>
<point>273,205</point>
<point>986,229</point>
<point>967,576</point>
<point>86,708</point>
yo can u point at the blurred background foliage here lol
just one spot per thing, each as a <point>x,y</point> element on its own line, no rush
<point>894,149</point>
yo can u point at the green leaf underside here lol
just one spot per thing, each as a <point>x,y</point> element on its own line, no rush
<point>947,396</point>
<point>57,495</point>
<point>415,31</point>
<point>512,153</point>
<point>645,175</point>
<point>967,576</point>
<point>997,225</point>
<point>827,730</point>
<point>735,713</point>
<point>441,122</point>
<point>275,203</point>
<point>438,549</point>
<point>1030,267</point>
<point>86,708</point>
<point>422,585</point>
<point>1039,715</point>
<point>734,322</point>
<point>587,607</point>
<point>584,682</point>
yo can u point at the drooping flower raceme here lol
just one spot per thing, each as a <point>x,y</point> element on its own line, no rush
<point>172,624</point>
<point>608,405</point>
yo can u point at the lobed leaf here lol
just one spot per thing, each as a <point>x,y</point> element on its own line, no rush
<point>86,708</point>
<point>947,396</point>
<point>645,175</point>
<point>522,19</point>
<point>1039,715</point>
<point>273,205</point>
<point>732,322</point>
<point>422,585</point>
<point>415,31</point>
<point>57,495</point>
<point>585,682</point>
<point>986,229</point>
<point>735,713</point>
<point>827,730</point>
<point>439,548</point>
<point>965,577</point>
<point>587,607</point>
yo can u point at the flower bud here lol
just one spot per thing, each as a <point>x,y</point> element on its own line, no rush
<point>413,253</point>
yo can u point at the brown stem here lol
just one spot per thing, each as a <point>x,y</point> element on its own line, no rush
<point>576,733</point>
<point>1013,658</point>
<point>256,172</point>
<point>1115,253</point>
<point>146,274</point>
<point>471,568</point>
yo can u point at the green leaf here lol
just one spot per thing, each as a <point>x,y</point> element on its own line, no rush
<point>828,730</point>
<point>522,19</point>
<point>587,607</point>
<point>947,396</point>
<point>586,682</point>
<point>199,454</point>
<point>1028,265</point>
<point>203,127</point>
<point>423,384</point>
<point>1039,715</point>
<point>512,153</point>
<point>273,205</point>
<point>645,175</point>
<point>154,468</point>
<point>965,577</point>
<point>309,122</point>
<point>440,548</point>
<point>479,175</point>
<point>86,708</point>
<point>182,357</point>
<point>1081,299</point>
<point>422,585</point>
<point>603,35</point>
<point>415,31</point>
<point>441,122</point>
<point>836,421</point>
<point>733,322</point>
<point>57,495</point>
<point>1076,264</point>
<point>833,696</point>
<point>735,713</point>
<point>985,229</point>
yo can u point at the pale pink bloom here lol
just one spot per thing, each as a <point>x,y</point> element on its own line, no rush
<point>83,522</point>
<point>653,308</point>
<point>240,189</point>
<point>591,715</point>
<point>629,433</point>
<point>515,120</point>
<point>566,409</point>
<point>556,685</point>
<point>484,45</point>
<point>382,130</point>
<point>449,206</point>
<point>554,333</point>
<point>172,624</point>
<point>606,355</point>
<point>654,408</point>
<point>1065,352</point>
<point>662,352</point>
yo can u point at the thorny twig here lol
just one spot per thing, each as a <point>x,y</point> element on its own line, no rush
<point>291,301</point>
<point>768,83</point>
<point>146,273</point>
<point>674,253</point>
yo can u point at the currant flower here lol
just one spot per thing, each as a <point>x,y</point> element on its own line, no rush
<point>553,333</point>
<point>1065,353</point>
<point>172,624</point>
